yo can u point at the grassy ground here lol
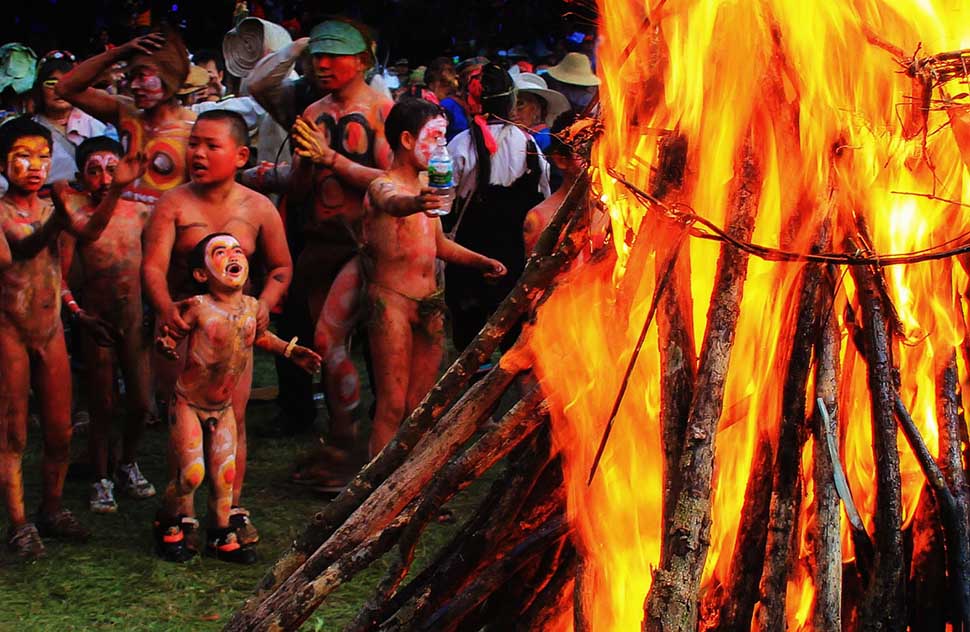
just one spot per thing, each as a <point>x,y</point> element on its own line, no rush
<point>115,581</point>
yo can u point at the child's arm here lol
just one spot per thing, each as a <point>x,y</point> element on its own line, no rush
<point>90,227</point>
<point>451,252</point>
<point>311,145</point>
<point>301,356</point>
<point>5,257</point>
<point>165,343</point>
<point>25,240</point>
<point>386,196</point>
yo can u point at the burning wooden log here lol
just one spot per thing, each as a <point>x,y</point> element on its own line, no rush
<point>672,602</point>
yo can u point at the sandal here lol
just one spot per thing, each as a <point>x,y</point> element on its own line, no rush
<point>242,524</point>
<point>25,542</point>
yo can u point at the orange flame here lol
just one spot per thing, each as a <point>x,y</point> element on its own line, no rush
<point>845,138</point>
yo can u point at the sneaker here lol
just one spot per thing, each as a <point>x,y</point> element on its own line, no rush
<point>225,545</point>
<point>190,527</point>
<point>25,542</point>
<point>240,523</point>
<point>130,481</point>
<point>103,497</point>
<point>170,544</point>
<point>61,524</point>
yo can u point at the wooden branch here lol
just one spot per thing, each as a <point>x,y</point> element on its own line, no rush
<point>951,462</point>
<point>671,605</point>
<point>447,617</point>
<point>552,254</point>
<point>299,596</point>
<point>956,531</point>
<point>827,601</point>
<point>741,592</point>
<point>927,576</point>
<point>785,499</point>
<point>531,493</point>
<point>555,599</point>
<point>882,606</point>
<point>515,427</point>
<point>581,596</point>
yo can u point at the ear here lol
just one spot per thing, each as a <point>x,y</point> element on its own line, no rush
<point>408,140</point>
<point>561,162</point>
<point>200,275</point>
<point>242,156</point>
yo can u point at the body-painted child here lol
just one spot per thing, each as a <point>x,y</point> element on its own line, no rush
<point>402,241</point>
<point>111,321</point>
<point>32,349</point>
<point>222,329</point>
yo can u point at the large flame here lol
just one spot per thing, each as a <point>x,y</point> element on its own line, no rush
<point>839,133</point>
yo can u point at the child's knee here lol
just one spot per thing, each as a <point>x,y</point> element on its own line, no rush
<point>226,474</point>
<point>344,376</point>
<point>190,477</point>
<point>57,442</point>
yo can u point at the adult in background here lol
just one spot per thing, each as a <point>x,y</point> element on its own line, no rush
<point>152,122</point>
<point>574,78</point>
<point>536,107</point>
<point>500,174</point>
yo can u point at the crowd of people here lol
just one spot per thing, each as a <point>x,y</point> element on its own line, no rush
<point>176,211</point>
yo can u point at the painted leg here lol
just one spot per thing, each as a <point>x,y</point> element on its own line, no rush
<point>52,385</point>
<point>222,470</point>
<point>185,450</point>
<point>428,348</point>
<point>240,399</point>
<point>135,360</point>
<point>14,389</point>
<point>391,344</point>
<point>334,326</point>
<point>99,379</point>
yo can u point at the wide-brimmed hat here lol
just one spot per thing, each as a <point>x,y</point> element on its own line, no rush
<point>531,83</point>
<point>198,79</point>
<point>336,37</point>
<point>18,67</point>
<point>574,69</point>
<point>249,42</point>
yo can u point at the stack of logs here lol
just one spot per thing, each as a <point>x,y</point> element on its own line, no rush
<point>512,566</point>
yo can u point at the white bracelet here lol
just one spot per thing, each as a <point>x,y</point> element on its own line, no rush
<point>289,348</point>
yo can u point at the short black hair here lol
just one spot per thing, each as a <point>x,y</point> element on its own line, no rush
<point>237,124</point>
<point>94,145</point>
<point>197,255</point>
<point>560,125</point>
<point>20,127</point>
<point>208,54</point>
<point>409,115</point>
<point>44,72</point>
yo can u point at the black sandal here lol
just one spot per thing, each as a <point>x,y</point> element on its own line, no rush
<point>224,544</point>
<point>170,541</point>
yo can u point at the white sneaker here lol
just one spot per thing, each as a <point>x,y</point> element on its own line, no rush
<point>102,497</point>
<point>131,481</point>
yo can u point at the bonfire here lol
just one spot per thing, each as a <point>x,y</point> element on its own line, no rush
<point>745,368</point>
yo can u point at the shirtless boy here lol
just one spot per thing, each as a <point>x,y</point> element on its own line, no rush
<point>340,149</point>
<point>32,350</point>
<point>111,317</point>
<point>402,240</point>
<point>214,202</point>
<point>221,326</point>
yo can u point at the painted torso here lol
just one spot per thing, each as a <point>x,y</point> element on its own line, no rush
<point>164,147</point>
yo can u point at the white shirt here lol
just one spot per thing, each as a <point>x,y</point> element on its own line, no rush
<point>508,162</point>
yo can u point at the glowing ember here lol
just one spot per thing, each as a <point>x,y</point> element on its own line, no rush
<point>819,91</point>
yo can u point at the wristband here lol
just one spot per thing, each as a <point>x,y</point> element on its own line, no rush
<point>289,348</point>
<point>73,307</point>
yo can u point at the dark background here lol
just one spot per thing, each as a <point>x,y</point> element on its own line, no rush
<point>416,29</point>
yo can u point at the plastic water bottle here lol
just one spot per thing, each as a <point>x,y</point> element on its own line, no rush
<point>441,177</point>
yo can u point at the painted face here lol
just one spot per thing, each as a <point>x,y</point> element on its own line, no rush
<point>336,71</point>
<point>28,163</point>
<point>212,154</point>
<point>99,173</point>
<point>147,87</point>
<point>428,140</point>
<point>226,262</point>
<point>52,102</point>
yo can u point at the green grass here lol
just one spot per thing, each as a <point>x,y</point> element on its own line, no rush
<point>114,582</point>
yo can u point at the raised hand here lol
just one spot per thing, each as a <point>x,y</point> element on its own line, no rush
<point>306,359</point>
<point>129,169</point>
<point>146,44</point>
<point>311,143</point>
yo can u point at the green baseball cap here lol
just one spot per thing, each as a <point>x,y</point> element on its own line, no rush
<point>334,37</point>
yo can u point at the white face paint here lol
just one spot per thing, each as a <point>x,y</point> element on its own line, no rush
<point>428,139</point>
<point>226,261</point>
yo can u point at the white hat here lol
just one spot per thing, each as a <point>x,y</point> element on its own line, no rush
<point>249,41</point>
<point>532,83</point>
<point>575,69</point>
